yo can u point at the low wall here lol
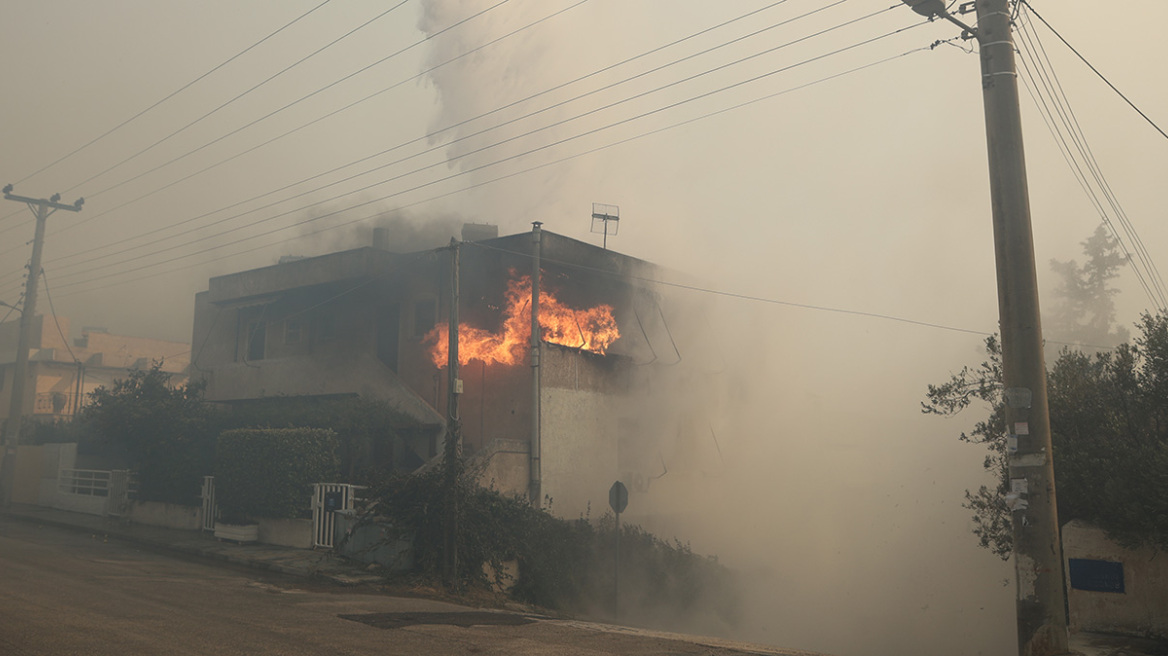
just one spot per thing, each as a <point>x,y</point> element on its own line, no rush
<point>1111,589</point>
<point>295,533</point>
<point>29,468</point>
<point>169,515</point>
<point>371,541</point>
<point>80,503</point>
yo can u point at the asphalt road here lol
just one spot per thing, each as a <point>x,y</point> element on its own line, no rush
<point>64,592</point>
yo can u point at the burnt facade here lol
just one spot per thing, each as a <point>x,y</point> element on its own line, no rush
<point>373,323</point>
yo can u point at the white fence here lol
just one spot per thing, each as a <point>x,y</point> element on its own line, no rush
<point>94,491</point>
<point>210,510</point>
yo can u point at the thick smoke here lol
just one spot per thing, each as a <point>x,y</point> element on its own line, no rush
<point>788,444</point>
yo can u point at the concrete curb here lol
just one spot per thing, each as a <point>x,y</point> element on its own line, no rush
<point>343,574</point>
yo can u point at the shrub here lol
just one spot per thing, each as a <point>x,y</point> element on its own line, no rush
<point>159,430</point>
<point>270,472</point>
<point>564,564</point>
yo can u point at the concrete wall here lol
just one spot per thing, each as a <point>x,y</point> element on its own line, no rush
<point>29,471</point>
<point>169,515</point>
<point>1141,609</point>
<point>295,533</point>
<point>579,451</point>
<point>504,466</point>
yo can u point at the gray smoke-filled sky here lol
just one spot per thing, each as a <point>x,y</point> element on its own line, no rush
<point>840,164</point>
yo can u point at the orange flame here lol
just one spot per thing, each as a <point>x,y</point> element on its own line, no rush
<point>593,329</point>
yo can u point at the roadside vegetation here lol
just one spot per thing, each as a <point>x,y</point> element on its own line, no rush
<point>566,565</point>
<point>265,455</point>
<point>1108,413</point>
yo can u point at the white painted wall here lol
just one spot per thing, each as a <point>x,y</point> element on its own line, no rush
<point>1142,609</point>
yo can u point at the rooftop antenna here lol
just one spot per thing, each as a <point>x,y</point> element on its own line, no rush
<point>602,215</point>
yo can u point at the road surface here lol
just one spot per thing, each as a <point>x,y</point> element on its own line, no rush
<point>64,593</point>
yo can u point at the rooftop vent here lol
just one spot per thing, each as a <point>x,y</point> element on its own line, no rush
<point>479,231</point>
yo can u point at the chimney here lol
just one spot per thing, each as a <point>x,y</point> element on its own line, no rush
<point>479,231</point>
<point>381,238</point>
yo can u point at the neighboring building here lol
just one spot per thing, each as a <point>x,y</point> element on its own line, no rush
<point>372,323</point>
<point>1111,589</point>
<point>62,374</point>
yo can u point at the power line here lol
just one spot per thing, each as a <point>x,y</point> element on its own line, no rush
<point>237,97</point>
<point>291,104</point>
<point>12,308</point>
<point>1139,111</point>
<point>168,97</point>
<point>447,128</point>
<point>64,338</point>
<point>486,182</point>
<point>301,127</point>
<point>737,295</point>
<point>1141,251</point>
<point>499,161</point>
<point>1060,116</point>
<point>534,150</point>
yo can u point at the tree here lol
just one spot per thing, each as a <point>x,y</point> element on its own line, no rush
<point>163,432</point>
<point>1084,310</point>
<point>1109,432</point>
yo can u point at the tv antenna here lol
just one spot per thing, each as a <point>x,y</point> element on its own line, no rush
<point>602,215</point>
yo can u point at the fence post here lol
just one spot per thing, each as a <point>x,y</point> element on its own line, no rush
<point>209,509</point>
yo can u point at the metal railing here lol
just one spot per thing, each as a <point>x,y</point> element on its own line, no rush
<point>210,510</point>
<point>85,482</point>
<point>327,498</point>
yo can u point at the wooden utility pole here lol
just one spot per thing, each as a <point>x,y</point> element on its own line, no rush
<point>536,492</point>
<point>453,444</point>
<point>1038,562</point>
<point>42,208</point>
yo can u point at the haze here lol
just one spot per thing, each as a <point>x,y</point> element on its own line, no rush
<point>866,193</point>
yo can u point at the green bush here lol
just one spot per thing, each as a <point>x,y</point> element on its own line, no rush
<point>366,429</point>
<point>564,564</point>
<point>161,431</point>
<point>269,473</point>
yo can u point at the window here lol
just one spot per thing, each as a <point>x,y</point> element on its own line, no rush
<point>293,331</point>
<point>1096,575</point>
<point>255,340</point>
<point>326,326</point>
<point>425,316</point>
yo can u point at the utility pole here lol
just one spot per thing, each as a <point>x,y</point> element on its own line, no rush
<point>41,208</point>
<point>1038,563</point>
<point>453,445</point>
<point>536,492</point>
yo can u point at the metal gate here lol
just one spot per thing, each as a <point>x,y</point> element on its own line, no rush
<point>209,507</point>
<point>118,501</point>
<point>327,498</point>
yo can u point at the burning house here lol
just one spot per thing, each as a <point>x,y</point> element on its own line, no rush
<point>375,323</point>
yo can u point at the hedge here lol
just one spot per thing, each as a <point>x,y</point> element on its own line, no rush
<point>269,473</point>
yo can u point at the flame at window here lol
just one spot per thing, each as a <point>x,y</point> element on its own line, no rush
<point>593,329</point>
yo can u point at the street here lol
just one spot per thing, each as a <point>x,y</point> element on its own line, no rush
<point>66,592</point>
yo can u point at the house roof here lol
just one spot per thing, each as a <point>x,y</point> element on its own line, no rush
<point>263,284</point>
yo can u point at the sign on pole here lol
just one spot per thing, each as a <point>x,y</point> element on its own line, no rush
<point>618,497</point>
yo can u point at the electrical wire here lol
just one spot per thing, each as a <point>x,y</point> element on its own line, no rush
<point>1030,9</point>
<point>168,97</point>
<point>1133,235</point>
<point>432,135</point>
<point>310,123</point>
<point>291,104</point>
<point>64,338</point>
<point>239,96</point>
<point>527,152</point>
<point>485,182</point>
<point>1043,83</point>
<point>735,295</point>
<point>12,308</point>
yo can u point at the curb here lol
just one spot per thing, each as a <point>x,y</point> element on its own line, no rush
<point>212,554</point>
